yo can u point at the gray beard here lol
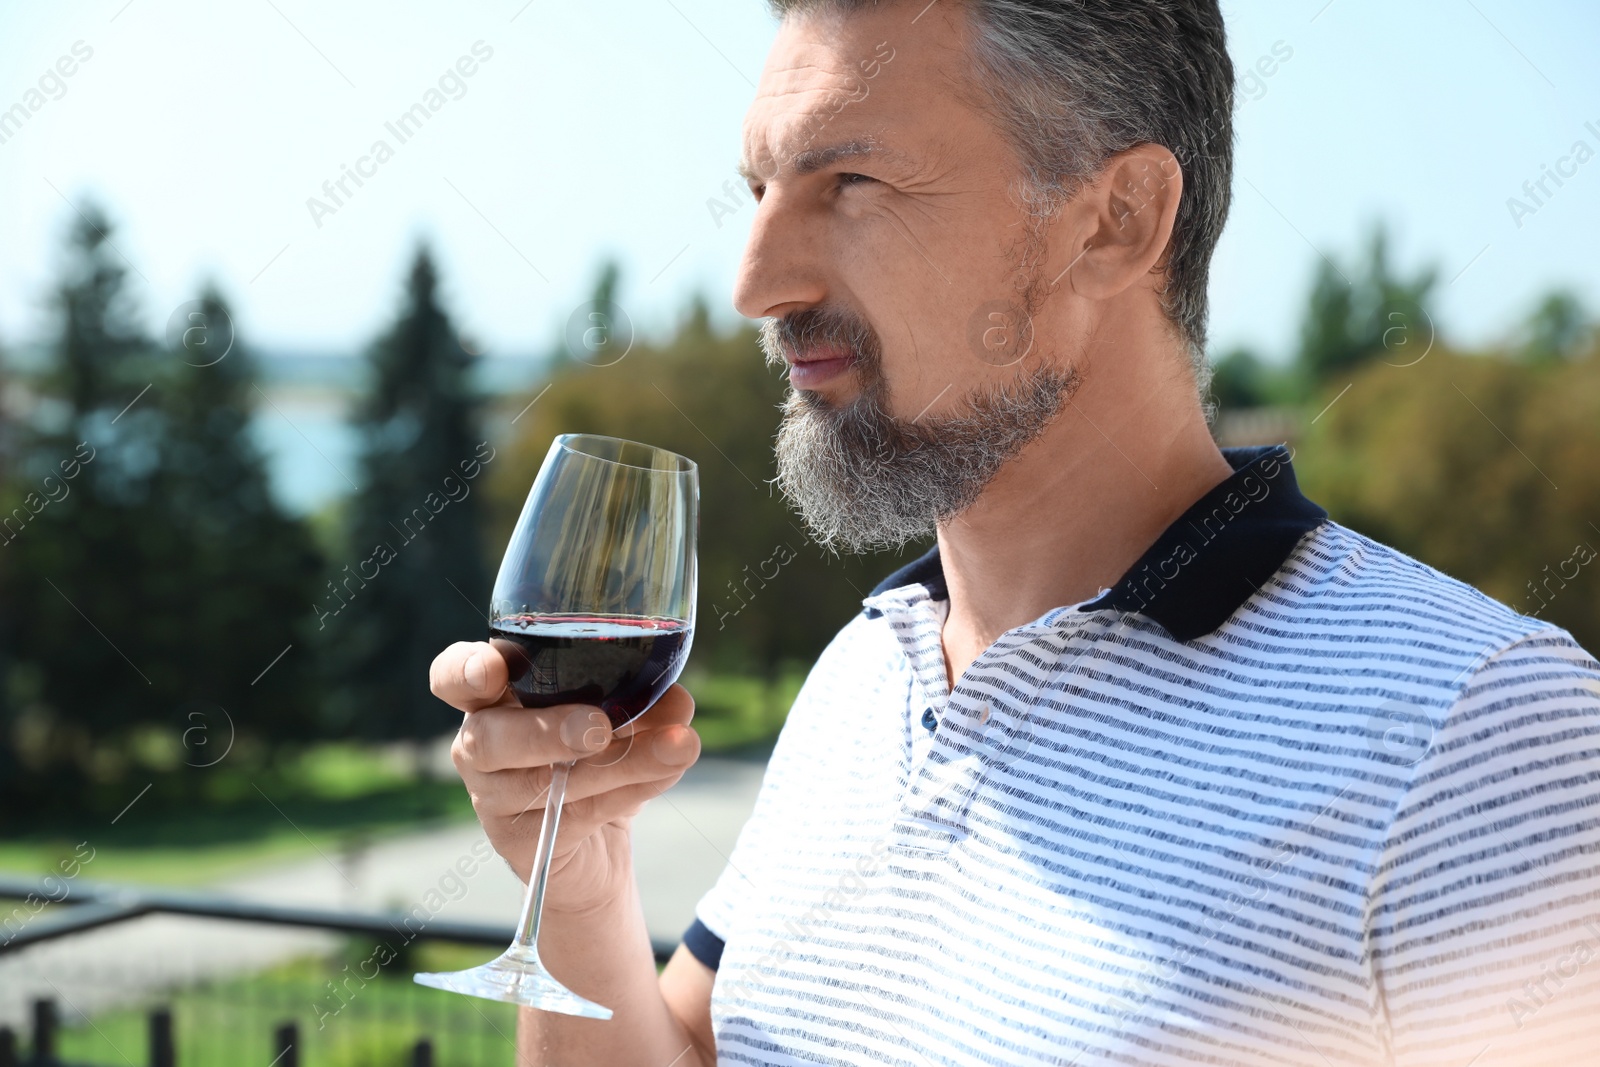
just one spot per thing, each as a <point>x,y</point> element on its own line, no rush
<point>864,480</point>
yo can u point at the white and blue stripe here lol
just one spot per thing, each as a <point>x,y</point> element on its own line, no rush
<point>1350,815</point>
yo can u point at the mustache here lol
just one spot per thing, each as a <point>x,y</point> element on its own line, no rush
<point>811,327</point>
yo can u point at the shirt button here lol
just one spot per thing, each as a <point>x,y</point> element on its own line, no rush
<point>928,719</point>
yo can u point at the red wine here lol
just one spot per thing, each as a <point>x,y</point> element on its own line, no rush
<point>617,663</point>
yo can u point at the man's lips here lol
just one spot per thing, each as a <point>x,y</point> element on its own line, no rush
<point>817,365</point>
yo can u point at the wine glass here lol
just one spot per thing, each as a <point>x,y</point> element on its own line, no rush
<point>594,604</point>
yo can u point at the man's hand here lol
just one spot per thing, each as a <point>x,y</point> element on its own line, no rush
<point>504,753</point>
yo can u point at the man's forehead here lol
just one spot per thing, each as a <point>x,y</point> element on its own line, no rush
<point>814,111</point>
<point>810,65</point>
<point>806,91</point>
<point>851,89</point>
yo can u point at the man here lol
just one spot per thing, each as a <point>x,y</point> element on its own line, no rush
<point>1146,762</point>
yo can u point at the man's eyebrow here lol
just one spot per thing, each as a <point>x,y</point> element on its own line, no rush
<point>814,159</point>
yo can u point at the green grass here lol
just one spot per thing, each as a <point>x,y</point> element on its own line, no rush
<point>248,812</point>
<point>373,1023</point>
<point>733,712</point>
<point>171,866</point>
<point>236,818</point>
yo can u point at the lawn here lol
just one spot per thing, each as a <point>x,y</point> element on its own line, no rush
<point>329,797</point>
<point>735,712</point>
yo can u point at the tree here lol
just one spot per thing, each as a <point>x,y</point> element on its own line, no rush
<point>84,537</point>
<point>414,578</point>
<point>604,314</point>
<point>1559,328</point>
<point>1237,380</point>
<point>598,332</point>
<point>250,571</point>
<point>10,769</point>
<point>152,573</point>
<point>1478,465</point>
<point>1242,379</point>
<point>1369,314</point>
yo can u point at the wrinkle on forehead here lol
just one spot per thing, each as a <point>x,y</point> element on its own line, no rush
<point>778,81</point>
<point>818,57</point>
<point>800,96</point>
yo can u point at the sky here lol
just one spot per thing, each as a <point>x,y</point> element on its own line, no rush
<point>602,129</point>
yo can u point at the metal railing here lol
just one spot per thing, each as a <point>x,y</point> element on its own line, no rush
<point>284,1048</point>
<point>259,1021</point>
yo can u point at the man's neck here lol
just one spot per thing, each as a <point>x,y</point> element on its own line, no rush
<point>1077,508</point>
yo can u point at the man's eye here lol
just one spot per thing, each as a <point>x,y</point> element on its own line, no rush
<point>854,179</point>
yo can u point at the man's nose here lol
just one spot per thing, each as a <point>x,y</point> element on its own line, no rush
<point>784,266</point>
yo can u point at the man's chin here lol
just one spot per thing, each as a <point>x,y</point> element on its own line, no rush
<point>863,479</point>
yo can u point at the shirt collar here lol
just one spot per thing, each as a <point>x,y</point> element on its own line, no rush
<point>1205,565</point>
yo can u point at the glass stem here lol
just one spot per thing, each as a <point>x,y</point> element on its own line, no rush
<point>533,904</point>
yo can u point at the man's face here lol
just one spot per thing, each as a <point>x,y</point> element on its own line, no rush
<point>896,274</point>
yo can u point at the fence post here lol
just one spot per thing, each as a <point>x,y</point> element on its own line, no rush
<point>44,1032</point>
<point>286,1046</point>
<point>421,1055</point>
<point>162,1052</point>
<point>8,1047</point>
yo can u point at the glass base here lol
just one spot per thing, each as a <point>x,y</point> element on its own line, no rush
<point>517,977</point>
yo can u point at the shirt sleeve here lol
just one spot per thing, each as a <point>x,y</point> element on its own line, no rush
<point>1484,918</point>
<point>719,909</point>
<point>703,945</point>
<point>787,787</point>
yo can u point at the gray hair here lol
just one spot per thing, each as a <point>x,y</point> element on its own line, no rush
<point>863,479</point>
<point>1073,82</point>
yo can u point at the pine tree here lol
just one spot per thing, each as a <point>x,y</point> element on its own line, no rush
<point>81,531</point>
<point>150,570</point>
<point>605,291</point>
<point>1558,329</point>
<point>1371,314</point>
<point>1326,337</point>
<point>10,770</point>
<point>598,332</point>
<point>251,570</point>
<point>1236,380</point>
<point>414,578</point>
<point>100,335</point>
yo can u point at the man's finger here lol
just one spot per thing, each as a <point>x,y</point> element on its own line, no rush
<point>501,738</point>
<point>675,706</point>
<point>653,755</point>
<point>470,675</point>
<point>582,817</point>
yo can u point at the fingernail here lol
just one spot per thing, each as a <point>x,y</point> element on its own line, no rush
<point>670,750</point>
<point>586,731</point>
<point>476,671</point>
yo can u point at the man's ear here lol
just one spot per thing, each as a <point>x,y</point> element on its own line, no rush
<point>1123,222</point>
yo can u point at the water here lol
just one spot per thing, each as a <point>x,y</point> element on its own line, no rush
<point>304,431</point>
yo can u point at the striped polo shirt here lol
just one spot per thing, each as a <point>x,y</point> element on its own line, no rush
<point>1282,795</point>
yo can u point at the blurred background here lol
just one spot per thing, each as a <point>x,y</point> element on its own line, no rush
<point>275,276</point>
